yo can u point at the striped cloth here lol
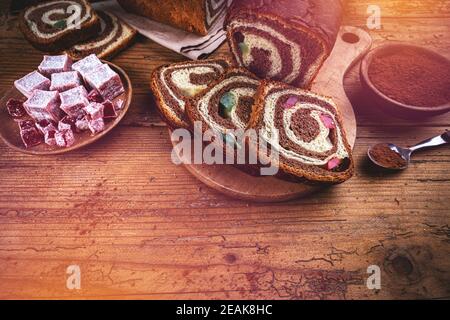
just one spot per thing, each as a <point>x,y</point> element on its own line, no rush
<point>190,45</point>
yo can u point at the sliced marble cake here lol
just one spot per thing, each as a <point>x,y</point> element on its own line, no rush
<point>226,105</point>
<point>174,84</point>
<point>56,25</point>
<point>283,40</point>
<point>306,130</point>
<point>114,36</point>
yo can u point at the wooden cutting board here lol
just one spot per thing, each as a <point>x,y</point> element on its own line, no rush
<point>351,45</point>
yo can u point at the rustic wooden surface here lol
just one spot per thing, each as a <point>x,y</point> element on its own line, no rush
<point>140,227</point>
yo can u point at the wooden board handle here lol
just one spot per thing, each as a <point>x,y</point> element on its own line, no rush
<point>352,43</point>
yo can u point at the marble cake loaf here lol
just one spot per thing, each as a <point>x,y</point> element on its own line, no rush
<point>173,84</point>
<point>53,26</point>
<point>283,40</point>
<point>114,35</point>
<point>306,130</point>
<point>189,15</point>
<point>226,105</point>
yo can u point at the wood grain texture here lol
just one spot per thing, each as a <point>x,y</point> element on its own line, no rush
<point>141,227</point>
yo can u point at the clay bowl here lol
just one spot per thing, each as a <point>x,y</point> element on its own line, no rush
<point>384,102</point>
<point>9,130</point>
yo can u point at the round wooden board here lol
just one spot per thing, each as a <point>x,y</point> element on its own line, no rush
<point>329,82</point>
<point>9,129</point>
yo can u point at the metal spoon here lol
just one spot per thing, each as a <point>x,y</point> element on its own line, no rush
<point>405,153</point>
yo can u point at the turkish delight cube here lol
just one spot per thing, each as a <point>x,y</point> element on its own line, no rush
<point>106,81</point>
<point>43,105</point>
<point>67,123</point>
<point>64,138</point>
<point>86,65</point>
<point>109,111</point>
<point>82,124</point>
<point>96,125</point>
<point>55,64</point>
<point>94,111</point>
<point>59,139</point>
<point>44,125</point>
<point>30,134</point>
<point>31,82</point>
<point>64,81</point>
<point>15,108</point>
<point>69,137</point>
<point>73,101</point>
<point>119,104</point>
<point>49,137</point>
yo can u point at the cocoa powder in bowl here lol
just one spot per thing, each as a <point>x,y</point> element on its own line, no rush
<point>412,76</point>
<point>386,157</point>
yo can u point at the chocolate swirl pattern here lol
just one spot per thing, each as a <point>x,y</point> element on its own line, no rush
<point>113,36</point>
<point>56,25</point>
<point>236,90</point>
<point>283,40</point>
<point>52,18</point>
<point>174,84</point>
<point>306,130</point>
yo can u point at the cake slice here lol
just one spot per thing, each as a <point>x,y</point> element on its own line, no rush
<point>114,35</point>
<point>173,84</point>
<point>227,103</point>
<point>55,25</point>
<point>306,130</point>
<point>286,41</point>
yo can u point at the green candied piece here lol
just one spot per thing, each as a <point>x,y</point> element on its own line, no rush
<point>244,48</point>
<point>61,24</point>
<point>226,104</point>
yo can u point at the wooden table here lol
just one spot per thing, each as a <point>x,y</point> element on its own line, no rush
<point>140,227</point>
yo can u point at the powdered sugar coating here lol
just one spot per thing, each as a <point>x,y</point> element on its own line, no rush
<point>96,125</point>
<point>55,64</point>
<point>30,82</point>
<point>64,81</point>
<point>106,81</point>
<point>74,100</point>
<point>43,105</point>
<point>86,65</point>
<point>82,124</point>
<point>94,110</point>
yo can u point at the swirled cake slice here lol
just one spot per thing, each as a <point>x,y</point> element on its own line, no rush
<point>306,130</point>
<point>173,84</point>
<point>283,40</point>
<point>114,35</point>
<point>56,25</point>
<point>227,103</point>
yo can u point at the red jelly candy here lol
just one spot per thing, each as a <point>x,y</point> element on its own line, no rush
<point>26,124</point>
<point>94,96</point>
<point>328,121</point>
<point>333,163</point>
<point>108,110</point>
<point>30,134</point>
<point>15,108</point>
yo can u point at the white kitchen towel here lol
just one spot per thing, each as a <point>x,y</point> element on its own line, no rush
<point>188,44</point>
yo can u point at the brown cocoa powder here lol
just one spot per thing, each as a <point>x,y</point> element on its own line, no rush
<point>412,77</point>
<point>387,157</point>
